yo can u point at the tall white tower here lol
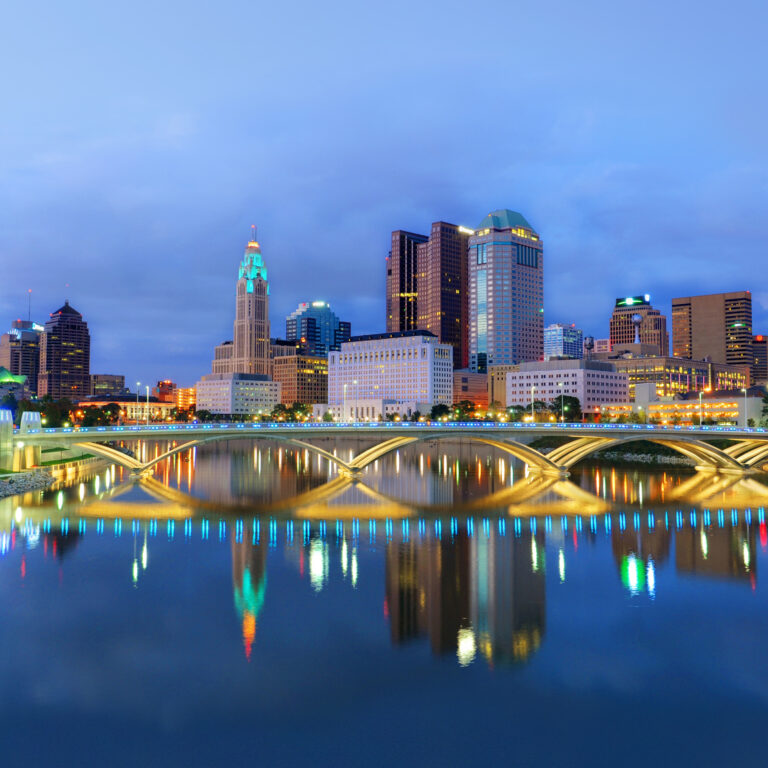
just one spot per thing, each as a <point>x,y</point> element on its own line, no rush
<point>250,350</point>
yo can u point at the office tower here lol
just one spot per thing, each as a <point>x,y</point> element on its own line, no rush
<point>65,356</point>
<point>506,292</point>
<point>442,302</point>
<point>316,328</point>
<point>717,326</point>
<point>563,341</point>
<point>20,351</point>
<point>165,391</point>
<point>303,378</point>
<point>249,352</point>
<point>108,384</point>
<point>635,321</point>
<point>468,385</point>
<point>760,357</point>
<point>402,271</point>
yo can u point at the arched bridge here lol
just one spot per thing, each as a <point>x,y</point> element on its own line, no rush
<point>747,451</point>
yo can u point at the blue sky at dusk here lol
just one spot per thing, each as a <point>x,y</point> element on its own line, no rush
<point>139,142</point>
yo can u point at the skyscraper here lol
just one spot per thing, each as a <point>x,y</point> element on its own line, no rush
<point>717,326</point>
<point>442,302</point>
<point>506,292</point>
<point>760,356</point>
<point>402,271</point>
<point>250,351</point>
<point>634,320</point>
<point>20,351</point>
<point>65,356</point>
<point>563,341</point>
<point>316,328</point>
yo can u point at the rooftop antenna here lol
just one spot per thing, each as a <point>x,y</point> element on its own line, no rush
<point>29,304</point>
<point>253,233</point>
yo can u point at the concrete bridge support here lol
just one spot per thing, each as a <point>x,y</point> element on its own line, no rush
<point>6,439</point>
<point>31,455</point>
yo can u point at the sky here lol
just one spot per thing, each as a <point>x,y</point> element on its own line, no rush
<point>139,142</point>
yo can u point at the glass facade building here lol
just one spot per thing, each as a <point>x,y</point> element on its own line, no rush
<point>506,292</point>
<point>316,328</point>
<point>563,341</point>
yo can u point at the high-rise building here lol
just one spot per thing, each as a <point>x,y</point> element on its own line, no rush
<point>468,385</point>
<point>635,321</point>
<point>316,328</point>
<point>402,271</point>
<point>563,341</point>
<point>303,378</point>
<point>716,326</point>
<point>250,350</point>
<point>65,356</point>
<point>20,351</point>
<point>760,357</point>
<point>108,384</point>
<point>442,302</point>
<point>506,292</point>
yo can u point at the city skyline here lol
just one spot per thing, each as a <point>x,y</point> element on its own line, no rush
<point>139,196</point>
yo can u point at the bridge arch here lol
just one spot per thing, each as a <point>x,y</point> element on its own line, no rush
<point>135,465</point>
<point>702,453</point>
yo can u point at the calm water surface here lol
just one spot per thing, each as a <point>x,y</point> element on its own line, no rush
<point>246,605</point>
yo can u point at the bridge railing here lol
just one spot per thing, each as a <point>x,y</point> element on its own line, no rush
<point>396,425</point>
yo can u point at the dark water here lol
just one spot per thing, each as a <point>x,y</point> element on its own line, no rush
<point>396,623</point>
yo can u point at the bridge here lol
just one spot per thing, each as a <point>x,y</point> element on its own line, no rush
<point>746,452</point>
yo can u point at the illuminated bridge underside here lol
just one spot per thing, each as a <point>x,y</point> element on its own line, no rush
<point>743,456</point>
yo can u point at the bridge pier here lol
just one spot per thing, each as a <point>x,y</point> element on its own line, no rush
<point>6,439</point>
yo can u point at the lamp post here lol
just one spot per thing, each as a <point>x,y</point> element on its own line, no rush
<point>744,390</point>
<point>138,384</point>
<point>147,386</point>
<point>533,389</point>
<point>354,381</point>
<point>562,401</point>
<point>701,407</point>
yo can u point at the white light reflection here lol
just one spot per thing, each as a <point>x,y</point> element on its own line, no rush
<point>318,564</point>
<point>466,647</point>
<point>650,577</point>
<point>561,564</point>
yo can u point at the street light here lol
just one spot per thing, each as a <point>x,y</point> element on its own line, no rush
<point>138,384</point>
<point>147,386</point>
<point>533,389</point>
<point>562,401</point>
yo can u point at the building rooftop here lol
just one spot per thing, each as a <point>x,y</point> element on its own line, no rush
<point>392,335</point>
<point>505,219</point>
<point>66,310</point>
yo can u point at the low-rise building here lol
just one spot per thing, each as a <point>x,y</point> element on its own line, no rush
<point>186,398</point>
<point>724,408</point>
<point>237,394</point>
<point>592,382</point>
<point>132,409</point>
<point>370,410</point>
<point>497,383</point>
<point>405,367</point>
<point>675,375</point>
<point>468,385</point>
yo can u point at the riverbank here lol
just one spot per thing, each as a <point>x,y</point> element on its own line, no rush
<point>24,482</point>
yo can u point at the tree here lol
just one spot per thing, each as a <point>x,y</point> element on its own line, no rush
<point>328,416</point>
<point>281,412</point>
<point>566,406</point>
<point>204,415</point>
<point>439,411</point>
<point>464,410</point>
<point>516,412</point>
<point>112,410</point>
<point>764,414</point>
<point>10,402</point>
<point>301,411</point>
